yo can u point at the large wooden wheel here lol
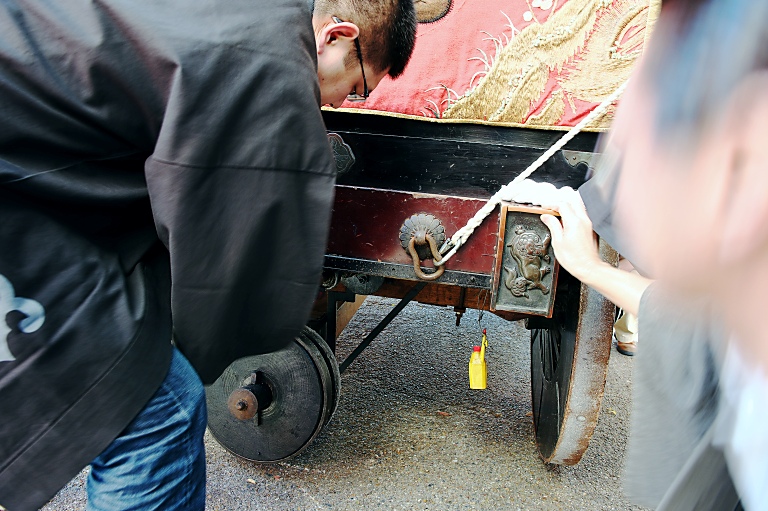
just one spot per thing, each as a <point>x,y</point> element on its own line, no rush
<point>569,362</point>
<point>270,407</point>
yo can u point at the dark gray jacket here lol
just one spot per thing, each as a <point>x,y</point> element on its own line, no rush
<point>672,463</point>
<point>157,158</point>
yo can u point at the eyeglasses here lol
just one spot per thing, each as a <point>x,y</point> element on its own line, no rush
<point>354,96</point>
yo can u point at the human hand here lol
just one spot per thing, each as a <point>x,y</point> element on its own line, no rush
<point>573,240</point>
<point>541,194</point>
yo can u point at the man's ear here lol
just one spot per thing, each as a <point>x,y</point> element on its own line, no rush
<point>333,32</point>
<point>745,213</point>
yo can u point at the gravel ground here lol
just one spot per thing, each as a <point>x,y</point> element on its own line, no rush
<point>410,435</point>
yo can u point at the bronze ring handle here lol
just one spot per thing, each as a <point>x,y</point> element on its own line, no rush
<point>417,263</point>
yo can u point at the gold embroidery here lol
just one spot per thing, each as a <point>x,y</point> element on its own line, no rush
<point>552,112</point>
<point>609,54</point>
<point>539,47</point>
<point>590,45</point>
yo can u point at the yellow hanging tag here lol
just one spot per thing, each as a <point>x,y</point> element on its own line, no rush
<point>478,373</point>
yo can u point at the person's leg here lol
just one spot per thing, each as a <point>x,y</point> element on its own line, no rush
<point>158,461</point>
<point>625,332</point>
<point>625,327</point>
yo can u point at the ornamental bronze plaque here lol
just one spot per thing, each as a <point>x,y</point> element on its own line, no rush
<point>342,153</point>
<point>525,274</point>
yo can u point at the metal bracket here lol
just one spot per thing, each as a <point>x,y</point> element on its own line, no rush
<point>381,326</point>
<point>575,157</point>
<point>362,284</point>
<point>330,317</point>
<point>342,153</point>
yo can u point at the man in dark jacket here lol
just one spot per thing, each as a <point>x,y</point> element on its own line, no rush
<point>163,167</point>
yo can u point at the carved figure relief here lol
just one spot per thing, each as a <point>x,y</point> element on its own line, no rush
<point>530,253</point>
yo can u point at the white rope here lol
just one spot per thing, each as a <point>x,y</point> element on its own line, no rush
<point>507,192</point>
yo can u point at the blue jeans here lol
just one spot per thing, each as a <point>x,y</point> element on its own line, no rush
<point>158,461</point>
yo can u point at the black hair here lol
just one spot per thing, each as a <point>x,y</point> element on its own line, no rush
<point>387,29</point>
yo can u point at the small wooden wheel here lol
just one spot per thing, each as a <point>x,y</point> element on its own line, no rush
<point>270,407</point>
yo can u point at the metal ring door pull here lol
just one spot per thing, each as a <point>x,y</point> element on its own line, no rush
<point>426,239</point>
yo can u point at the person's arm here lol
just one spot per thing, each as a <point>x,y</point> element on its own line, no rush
<point>621,287</point>
<point>241,185</point>
<point>575,246</point>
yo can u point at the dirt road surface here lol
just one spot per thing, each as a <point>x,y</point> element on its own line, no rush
<point>410,435</point>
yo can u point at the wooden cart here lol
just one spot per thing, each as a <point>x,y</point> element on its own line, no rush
<point>404,186</point>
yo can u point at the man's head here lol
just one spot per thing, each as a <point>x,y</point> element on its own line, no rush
<point>694,183</point>
<point>385,31</point>
<point>693,194</point>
